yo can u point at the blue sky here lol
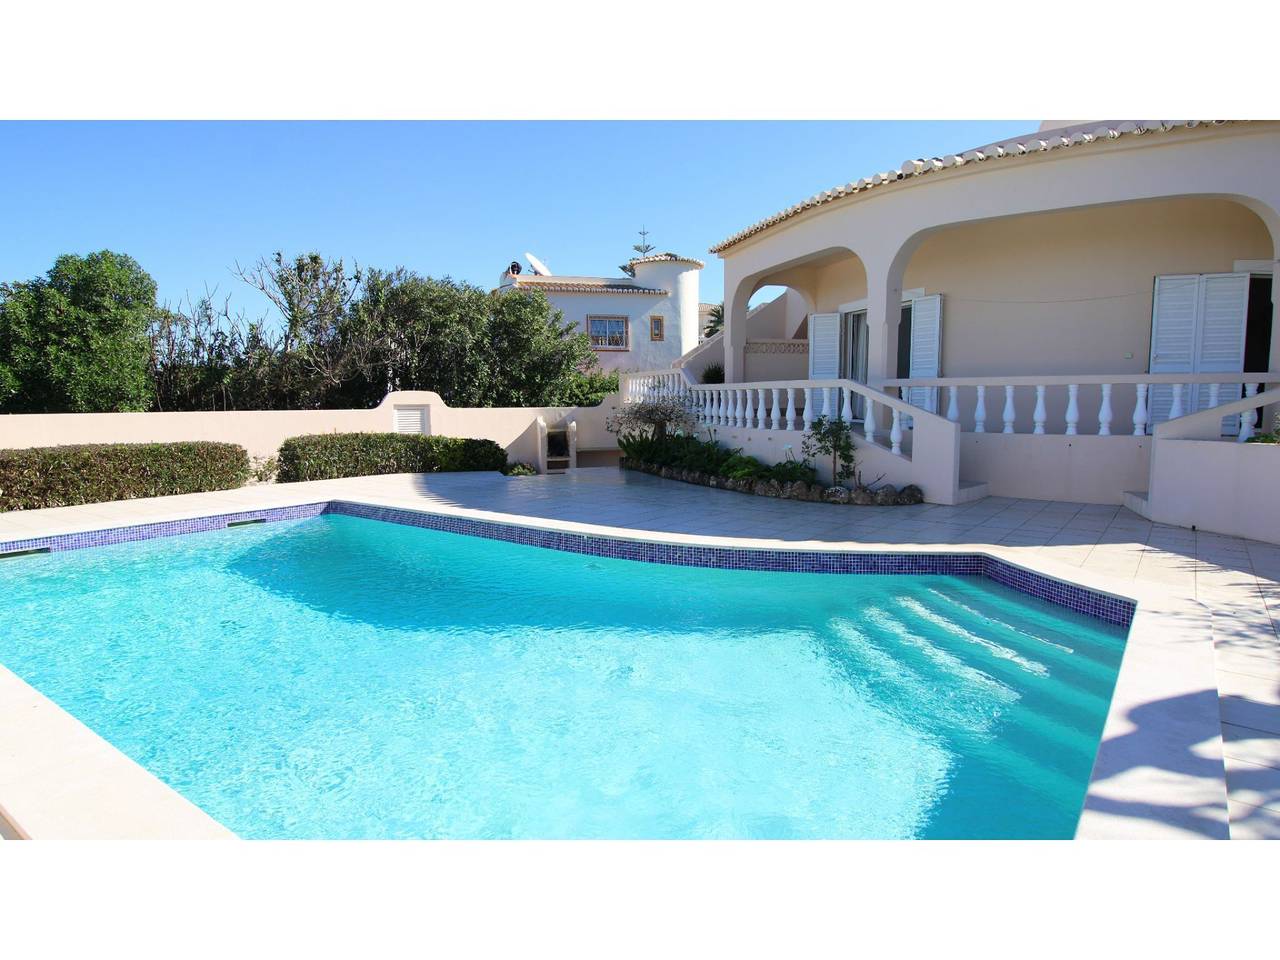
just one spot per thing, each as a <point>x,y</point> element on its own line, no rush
<point>187,200</point>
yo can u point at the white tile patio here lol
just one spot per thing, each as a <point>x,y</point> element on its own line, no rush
<point>1194,732</point>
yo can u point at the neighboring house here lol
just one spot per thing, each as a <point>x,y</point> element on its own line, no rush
<point>1043,305</point>
<point>640,322</point>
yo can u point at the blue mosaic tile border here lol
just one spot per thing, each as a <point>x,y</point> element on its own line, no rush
<point>1091,603</point>
<point>167,528</point>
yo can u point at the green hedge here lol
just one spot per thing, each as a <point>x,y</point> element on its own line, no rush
<point>94,473</point>
<point>325,456</point>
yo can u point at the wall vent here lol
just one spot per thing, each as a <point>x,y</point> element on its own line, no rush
<point>411,419</point>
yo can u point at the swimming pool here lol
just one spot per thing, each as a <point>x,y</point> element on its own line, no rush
<point>338,676</point>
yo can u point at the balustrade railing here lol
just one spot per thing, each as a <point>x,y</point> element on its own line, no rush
<point>780,405</point>
<point>1150,399</point>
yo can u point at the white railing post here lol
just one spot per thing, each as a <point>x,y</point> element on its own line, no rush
<point>808,408</point>
<point>895,433</point>
<point>1175,407</point>
<point>777,408</point>
<point>1104,412</point>
<point>1009,412</point>
<point>739,408</point>
<point>791,422</point>
<point>846,408</point>
<point>1073,408</point>
<point>1248,416</point>
<point>827,410</point>
<point>762,416</point>
<point>1140,411</point>
<point>750,409</point>
<point>980,411</point>
<point>709,406</point>
<point>953,404</point>
<point>1040,415</point>
<point>1214,390</point>
<point>869,421</point>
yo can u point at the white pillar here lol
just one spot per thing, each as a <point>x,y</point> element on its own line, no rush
<point>1175,408</point>
<point>791,421</point>
<point>827,406</point>
<point>980,411</point>
<point>808,408</point>
<point>762,420</point>
<point>749,412</point>
<point>1039,416</point>
<point>1140,411</point>
<point>869,421</point>
<point>1009,412</point>
<point>1247,418</point>
<point>1073,408</point>
<point>777,408</point>
<point>846,408</point>
<point>1104,412</point>
<point>895,432</point>
<point>953,404</point>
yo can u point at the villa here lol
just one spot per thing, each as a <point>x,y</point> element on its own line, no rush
<point>1047,317</point>
<point>648,319</point>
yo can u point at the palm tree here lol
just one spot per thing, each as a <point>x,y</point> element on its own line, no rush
<point>717,320</point>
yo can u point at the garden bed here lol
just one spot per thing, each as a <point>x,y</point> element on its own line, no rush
<point>884,495</point>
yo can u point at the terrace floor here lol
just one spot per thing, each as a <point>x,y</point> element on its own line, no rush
<point>1203,657</point>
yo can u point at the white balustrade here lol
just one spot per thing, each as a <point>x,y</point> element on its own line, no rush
<point>708,409</point>
<point>846,408</point>
<point>1214,390</point>
<point>777,408</point>
<point>827,408</point>
<point>761,417</point>
<point>980,410</point>
<point>895,432</point>
<point>1040,415</point>
<point>1009,412</point>
<point>1073,408</point>
<point>953,404</point>
<point>869,421</point>
<point>1175,406</point>
<point>791,421</point>
<point>808,408</point>
<point>1140,411</point>
<point>749,412</point>
<point>1104,412</point>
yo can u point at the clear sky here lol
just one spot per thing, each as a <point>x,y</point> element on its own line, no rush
<point>187,200</point>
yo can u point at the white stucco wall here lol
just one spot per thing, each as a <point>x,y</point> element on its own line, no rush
<point>1217,486</point>
<point>262,431</point>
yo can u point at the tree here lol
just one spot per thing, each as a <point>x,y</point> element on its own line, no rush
<point>642,249</point>
<point>716,322</point>
<point>474,348</point>
<point>832,437</point>
<point>75,340</point>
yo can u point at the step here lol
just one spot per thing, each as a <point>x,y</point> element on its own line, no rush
<point>971,490</point>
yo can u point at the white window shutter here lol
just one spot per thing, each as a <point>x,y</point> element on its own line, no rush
<point>1224,312</point>
<point>1198,326</point>
<point>926,349</point>
<point>1174,306</point>
<point>824,346</point>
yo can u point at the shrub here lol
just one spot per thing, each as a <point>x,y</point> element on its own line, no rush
<point>713,373</point>
<point>327,456</point>
<point>656,418</point>
<point>95,473</point>
<point>520,469</point>
<point>833,437</point>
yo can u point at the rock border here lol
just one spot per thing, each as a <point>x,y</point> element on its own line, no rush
<point>884,495</point>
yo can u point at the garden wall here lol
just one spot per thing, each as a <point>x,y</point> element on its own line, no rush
<point>262,431</point>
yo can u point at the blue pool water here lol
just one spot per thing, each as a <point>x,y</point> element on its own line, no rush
<point>340,677</point>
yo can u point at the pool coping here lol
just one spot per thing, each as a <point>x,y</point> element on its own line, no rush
<point>1136,788</point>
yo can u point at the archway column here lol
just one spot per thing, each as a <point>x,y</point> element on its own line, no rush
<point>884,314</point>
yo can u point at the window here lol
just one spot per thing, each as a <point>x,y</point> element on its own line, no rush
<point>607,333</point>
<point>657,328</point>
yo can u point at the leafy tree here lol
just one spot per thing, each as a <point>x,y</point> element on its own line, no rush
<point>75,340</point>
<point>832,437</point>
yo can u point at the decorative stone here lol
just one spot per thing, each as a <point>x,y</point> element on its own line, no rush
<point>816,490</point>
<point>667,473</point>
<point>768,488</point>
<point>835,495</point>
<point>910,494</point>
<point>887,495</point>
<point>862,496</point>
<point>796,490</point>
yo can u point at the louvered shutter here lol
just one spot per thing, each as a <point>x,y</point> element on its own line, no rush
<point>1174,305</point>
<point>1224,311</point>
<point>926,349</point>
<point>824,346</point>
<point>411,419</point>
